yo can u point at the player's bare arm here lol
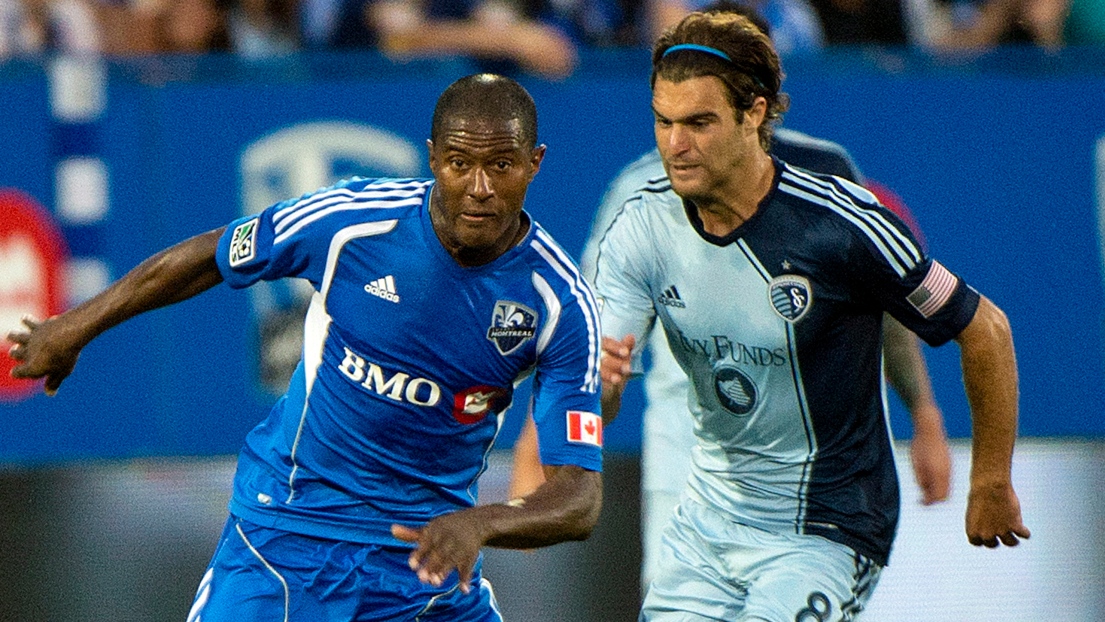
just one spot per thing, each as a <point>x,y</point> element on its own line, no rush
<point>615,368</point>
<point>990,379</point>
<point>526,473</point>
<point>908,375</point>
<point>49,349</point>
<point>566,507</point>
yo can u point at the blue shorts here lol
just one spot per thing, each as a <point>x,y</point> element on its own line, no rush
<point>712,568</point>
<point>259,573</point>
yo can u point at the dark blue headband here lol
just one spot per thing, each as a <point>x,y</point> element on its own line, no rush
<point>699,48</point>
<point>708,50</point>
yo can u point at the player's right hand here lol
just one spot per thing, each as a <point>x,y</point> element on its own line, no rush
<point>616,363</point>
<point>447,543</point>
<point>38,356</point>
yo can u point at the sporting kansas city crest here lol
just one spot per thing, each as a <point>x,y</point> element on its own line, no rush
<point>791,296</point>
<point>512,324</point>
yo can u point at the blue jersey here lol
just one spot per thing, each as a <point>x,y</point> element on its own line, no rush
<point>409,361</point>
<point>777,325</point>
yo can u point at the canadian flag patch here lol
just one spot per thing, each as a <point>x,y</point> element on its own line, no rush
<point>584,427</point>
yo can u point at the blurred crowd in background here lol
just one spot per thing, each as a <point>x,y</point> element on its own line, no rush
<point>541,37</point>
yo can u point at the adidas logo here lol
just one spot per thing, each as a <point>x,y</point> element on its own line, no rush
<point>671,298</point>
<point>384,288</point>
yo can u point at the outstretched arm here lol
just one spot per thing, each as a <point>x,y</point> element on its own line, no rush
<point>49,349</point>
<point>908,375</point>
<point>565,507</point>
<point>990,379</point>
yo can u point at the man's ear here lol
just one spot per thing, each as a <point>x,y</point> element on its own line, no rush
<point>430,149</point>
<point>757,114</point>
<point>536,158</point>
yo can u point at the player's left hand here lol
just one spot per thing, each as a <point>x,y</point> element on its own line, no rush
<point>994,516</point>
<point>448,542</point>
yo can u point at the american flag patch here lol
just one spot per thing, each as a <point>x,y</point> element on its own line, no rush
<point>584,427</point>
<point>933,292</point>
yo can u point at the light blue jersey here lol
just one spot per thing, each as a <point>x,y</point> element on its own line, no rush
<point>668,431</point>
<point>409,362</point>
<point>778,327</point>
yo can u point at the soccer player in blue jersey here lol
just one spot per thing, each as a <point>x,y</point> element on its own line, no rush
<point>355,498</point>
<point>771,283</point>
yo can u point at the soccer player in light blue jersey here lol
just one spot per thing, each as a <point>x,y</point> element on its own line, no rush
<point>771,283</point>
<point>667,437</point>
<point>355,499</point>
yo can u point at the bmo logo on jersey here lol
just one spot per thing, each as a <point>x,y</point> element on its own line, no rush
<point>400,386</point>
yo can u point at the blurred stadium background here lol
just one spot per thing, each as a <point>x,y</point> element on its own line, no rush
<point>113,493</point>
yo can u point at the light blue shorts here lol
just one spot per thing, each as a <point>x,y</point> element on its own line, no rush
<point>265,574</point>
<point>712,568</point>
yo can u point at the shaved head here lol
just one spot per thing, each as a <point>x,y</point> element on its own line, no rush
<point>490,97</point>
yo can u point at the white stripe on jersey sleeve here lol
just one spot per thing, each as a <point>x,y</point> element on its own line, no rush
<point>907,250</point>
<point>913,252</point>
<point>375,204</point>
<point>310,202</point>
<point>559,261</point>
<point>552,303</point>
<point>902,254</point>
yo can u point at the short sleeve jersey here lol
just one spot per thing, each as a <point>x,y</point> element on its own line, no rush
<point>409,361</point>
<point>668,434</point>
<point>778,327</point>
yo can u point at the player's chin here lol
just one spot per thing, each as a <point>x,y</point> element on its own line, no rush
<point>480,239</point>
<point>688,188</point>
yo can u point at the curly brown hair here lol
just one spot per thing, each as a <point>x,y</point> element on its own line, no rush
<point>751,70</point>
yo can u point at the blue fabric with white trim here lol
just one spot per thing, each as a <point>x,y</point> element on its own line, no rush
<point>264,574</point>
<point>409,361</point>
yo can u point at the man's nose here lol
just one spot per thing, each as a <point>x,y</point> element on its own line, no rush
<point>481,189</point>
<point>679,139</point>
